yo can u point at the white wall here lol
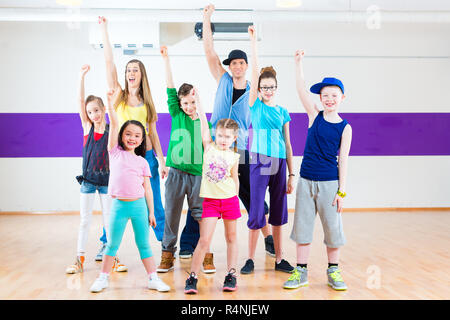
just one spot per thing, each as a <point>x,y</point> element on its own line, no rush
<point>398,68</point>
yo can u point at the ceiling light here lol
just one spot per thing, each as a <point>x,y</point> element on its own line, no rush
<point>289,3</point>
<point>72,3</point>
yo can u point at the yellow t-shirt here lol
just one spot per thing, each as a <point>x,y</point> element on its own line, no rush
<point>126,112</point>
<point>216,174</point>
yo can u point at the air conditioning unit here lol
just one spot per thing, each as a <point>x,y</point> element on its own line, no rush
<point>227,31</point>
<point>130,37</point>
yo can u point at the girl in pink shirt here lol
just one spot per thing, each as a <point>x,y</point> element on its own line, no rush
<point>129,186</point>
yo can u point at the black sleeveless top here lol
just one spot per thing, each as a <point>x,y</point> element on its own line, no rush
<point>237,93</point>
<point>95,159</point>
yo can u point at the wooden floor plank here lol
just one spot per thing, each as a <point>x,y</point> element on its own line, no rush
<point>388,255</point>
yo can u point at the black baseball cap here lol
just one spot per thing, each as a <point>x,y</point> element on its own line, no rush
<point>235,54</point>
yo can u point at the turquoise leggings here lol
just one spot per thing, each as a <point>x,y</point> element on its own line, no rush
<point>121,211</point>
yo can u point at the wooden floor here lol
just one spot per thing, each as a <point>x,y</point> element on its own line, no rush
<point>388,255</point>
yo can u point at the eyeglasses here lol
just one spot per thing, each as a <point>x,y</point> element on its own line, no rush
<point>272,88</point>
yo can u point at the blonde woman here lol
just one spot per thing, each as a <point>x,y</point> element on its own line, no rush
<point>134,102</point>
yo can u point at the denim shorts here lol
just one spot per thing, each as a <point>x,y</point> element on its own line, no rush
<point>87,187</point>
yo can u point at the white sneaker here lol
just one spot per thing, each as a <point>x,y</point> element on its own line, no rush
<point>157,284</point>
<point>100,283</point>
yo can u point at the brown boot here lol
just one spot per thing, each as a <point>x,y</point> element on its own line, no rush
<point>166,262</point>
<point>208,263</point>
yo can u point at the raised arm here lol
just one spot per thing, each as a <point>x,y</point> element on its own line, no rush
<point>111,71</point>
<point>310,107</point>
<point>165,54</point>
<point>214,64</point>
<point>81,98</point>
<point>253,94</point>
<point>206,134</point>
<point>113,120</point>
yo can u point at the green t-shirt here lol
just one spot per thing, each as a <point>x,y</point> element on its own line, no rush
<point>185,147</point>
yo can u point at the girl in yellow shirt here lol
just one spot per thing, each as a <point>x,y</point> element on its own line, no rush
<point>220,189</point>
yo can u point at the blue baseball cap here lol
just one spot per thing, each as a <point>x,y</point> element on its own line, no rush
<point>327,82</point>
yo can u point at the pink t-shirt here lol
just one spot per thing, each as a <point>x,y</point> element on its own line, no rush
<point>127,172</point>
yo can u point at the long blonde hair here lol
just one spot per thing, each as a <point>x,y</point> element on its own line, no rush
<point>144,93</point>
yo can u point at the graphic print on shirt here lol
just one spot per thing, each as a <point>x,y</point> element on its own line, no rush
<point>216,170</point>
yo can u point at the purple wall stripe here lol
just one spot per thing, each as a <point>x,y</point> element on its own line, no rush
<point>374,134</point>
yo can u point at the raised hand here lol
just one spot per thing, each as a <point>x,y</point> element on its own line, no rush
<point>102,21</point>
<point>208,11</point>
<point>252,32</point>
<point>299,54</point>
<point>111,95</point>
<point>164,52</point>
<point>194,94</point>
<point>84,69</point>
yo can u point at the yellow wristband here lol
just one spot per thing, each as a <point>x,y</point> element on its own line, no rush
<point>341,194</point>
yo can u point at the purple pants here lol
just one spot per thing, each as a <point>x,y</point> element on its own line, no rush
<point>266,172</point>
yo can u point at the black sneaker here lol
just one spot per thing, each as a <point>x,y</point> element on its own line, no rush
<point>185,254</point>
<point>230,283</point>
<point>284,266</point>
<point>248,267</point>
<point>191,284</point>
<point>270,249</point>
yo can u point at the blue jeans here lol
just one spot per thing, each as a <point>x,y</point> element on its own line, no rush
<point>103,237</point>
<point>190,234</point>
<point>157,203</point>
<point>87,187</point>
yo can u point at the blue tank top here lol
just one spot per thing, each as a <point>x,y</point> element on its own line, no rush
<point>322,145</point>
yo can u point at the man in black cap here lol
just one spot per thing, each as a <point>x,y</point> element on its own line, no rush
<point>231,101</point>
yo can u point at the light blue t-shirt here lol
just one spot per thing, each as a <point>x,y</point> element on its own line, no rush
<point>239,111</point>
<point>267,123</point>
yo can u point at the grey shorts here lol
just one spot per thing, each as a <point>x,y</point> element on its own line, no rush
<point>313,197</point>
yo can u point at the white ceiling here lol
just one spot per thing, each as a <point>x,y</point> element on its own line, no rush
<point>259,5</point>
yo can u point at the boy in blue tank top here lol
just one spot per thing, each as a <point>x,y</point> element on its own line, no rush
<point>322,182</point>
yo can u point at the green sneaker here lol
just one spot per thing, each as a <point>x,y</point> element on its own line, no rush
<point>335,279</point>
<point>298,279</point>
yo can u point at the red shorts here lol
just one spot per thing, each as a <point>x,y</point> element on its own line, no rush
<point>221,208</point>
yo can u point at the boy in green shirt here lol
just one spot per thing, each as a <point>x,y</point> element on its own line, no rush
<point>185,158</point>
